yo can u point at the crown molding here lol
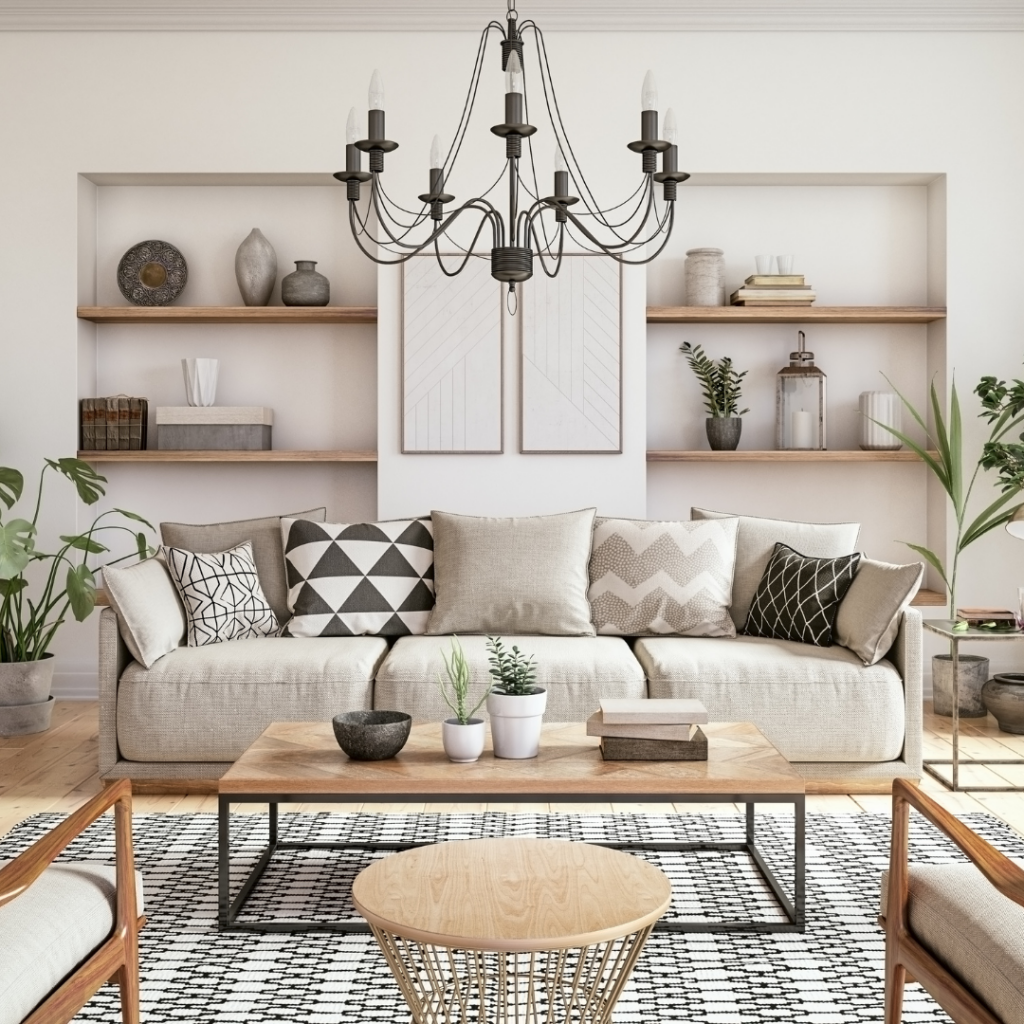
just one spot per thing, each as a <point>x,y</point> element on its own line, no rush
<point>469,15</point>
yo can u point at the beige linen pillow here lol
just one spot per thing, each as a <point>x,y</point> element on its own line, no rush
<point>869,616</point>
<point>149,611</point>
<point>518,576</point>
<point>756,540</point>
<point>265,536</point>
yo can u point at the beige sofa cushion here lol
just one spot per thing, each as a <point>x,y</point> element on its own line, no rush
<point>869,616</point>
<point>576,671</point>
<point>813,703</point>
<point>149,611</point>
<point>210,703</point>
<point>972,929</point>
<point>47,931</point>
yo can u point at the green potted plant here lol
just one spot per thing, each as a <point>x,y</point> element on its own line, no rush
<point>39,589</point>
<point>515,704</point>
<point>462,736</point>
<point>722,386</point>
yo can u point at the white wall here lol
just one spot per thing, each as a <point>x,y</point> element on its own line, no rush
<point>748,103</point>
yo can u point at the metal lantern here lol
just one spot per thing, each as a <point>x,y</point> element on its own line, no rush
<point>800,403</point>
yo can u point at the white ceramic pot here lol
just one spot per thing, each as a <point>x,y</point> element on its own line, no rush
<point>516,722</point>
<point>463,743</point>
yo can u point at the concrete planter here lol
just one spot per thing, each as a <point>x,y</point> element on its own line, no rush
<point>973,673</point>
<point>25,682</point>
<point>516,722</point>
<point>463,743</point>
<point>723,432</point>
<point>20,719</point>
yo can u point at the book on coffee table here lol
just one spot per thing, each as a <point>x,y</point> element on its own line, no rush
<point>597,726</point>
<point>647,711</point>
<point>628,748</point>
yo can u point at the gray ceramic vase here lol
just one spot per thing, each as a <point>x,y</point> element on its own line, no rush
<point>305,287</point>
<point>256,269</point>
<point>1003,695</point>
<point>723,432</point>
<point>973,673</point>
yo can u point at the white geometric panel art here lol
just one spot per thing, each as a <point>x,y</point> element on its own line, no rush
<point>451,359</point>
<point>571,376</point>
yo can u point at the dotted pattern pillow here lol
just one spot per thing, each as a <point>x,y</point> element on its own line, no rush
<point>798,598</point>
<point>222,595</point>
<point>358,579</point>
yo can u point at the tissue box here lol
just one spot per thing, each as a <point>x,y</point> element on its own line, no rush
<point>214,428</point>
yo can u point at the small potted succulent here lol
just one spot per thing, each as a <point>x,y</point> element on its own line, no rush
<point>516,704</point>
<point>462,736</point>
<point>722,386</point>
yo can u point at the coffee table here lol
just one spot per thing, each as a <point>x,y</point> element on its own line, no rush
<point>300,762</point>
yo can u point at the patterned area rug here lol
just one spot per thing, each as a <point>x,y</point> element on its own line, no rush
<point>831,974</point>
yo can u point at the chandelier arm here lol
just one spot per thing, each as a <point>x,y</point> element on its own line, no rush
<point>557,258</point>
<point>382,221</point>
<point>618,257</point>
<point>631,243</point>
<point>465,259</point>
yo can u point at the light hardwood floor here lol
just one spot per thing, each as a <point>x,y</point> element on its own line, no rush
<point>56,771</point>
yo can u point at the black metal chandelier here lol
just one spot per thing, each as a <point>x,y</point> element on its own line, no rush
<point>536,225</point>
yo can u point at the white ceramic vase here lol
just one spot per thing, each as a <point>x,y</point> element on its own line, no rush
<point>876,408</point>
<point>463,743</point>
<point>256,269</point>
<point>200,380</point>
<point>516,722</point>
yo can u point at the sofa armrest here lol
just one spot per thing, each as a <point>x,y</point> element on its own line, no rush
<point>907,655</point>
<point>114,658</point>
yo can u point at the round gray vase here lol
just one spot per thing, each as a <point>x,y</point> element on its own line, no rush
<point>723,432</point>
<point>973,674</point>
<point>256,269</point>
<point>1003,695</point>
<point>305,287</point>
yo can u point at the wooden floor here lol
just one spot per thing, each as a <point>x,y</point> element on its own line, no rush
<point>56,771</point>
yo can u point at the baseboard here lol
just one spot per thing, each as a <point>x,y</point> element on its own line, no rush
<point>76,686</point>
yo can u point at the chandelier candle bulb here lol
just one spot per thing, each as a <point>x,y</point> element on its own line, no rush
<point>514,91</point>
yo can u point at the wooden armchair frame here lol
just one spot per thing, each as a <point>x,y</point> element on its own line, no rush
<point>905,958</point>
<point>117,960</point>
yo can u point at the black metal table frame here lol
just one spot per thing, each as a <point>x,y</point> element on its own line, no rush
<point>229,910</point>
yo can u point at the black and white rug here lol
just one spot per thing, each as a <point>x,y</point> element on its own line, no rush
<point>831,974</point>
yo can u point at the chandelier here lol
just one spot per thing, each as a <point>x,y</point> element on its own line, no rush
<point>536,225</point>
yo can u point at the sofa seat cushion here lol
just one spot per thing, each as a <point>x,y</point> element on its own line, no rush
<point>972,929</point>
<point>576,671</point>
<point>47,931</point>
<point>210,703</point>
<point>813,703</point>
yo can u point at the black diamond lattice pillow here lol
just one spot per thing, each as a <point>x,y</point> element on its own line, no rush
<point>357,579</point>
<point>222,595</point>
<point>798,597</point>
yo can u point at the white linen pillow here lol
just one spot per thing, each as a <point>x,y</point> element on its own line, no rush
<point>869,616</point>
<point>149,611</point>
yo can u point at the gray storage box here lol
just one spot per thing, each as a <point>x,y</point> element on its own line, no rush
<point>214,428</point>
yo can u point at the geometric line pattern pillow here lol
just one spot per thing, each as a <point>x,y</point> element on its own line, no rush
<point>358,579</point>
<point>663,578</point>
<point>222,595</point>
<point>798,598</point>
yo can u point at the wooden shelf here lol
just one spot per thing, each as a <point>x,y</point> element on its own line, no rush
<point>782,456</point>
<point>929,599</point>
<point>795,315</point>
<point>228,314</point>
<point>155,455</point>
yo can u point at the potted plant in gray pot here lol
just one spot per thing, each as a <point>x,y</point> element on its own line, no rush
<point>38,590</point>
<point>722,386</point>
<point>515,704</point>
<point>462,736</point>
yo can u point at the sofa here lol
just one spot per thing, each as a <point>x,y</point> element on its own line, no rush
<point>847,726</point>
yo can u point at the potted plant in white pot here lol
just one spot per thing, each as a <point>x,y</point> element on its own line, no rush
<point>27,626</point>
<point>462,736</point>
<point>722,386</point>
<point>515,704</point>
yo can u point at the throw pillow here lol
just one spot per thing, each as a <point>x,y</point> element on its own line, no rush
<point>517,576</point>
<point>798,597</point>
<point>222,595</point>
<point>869,615</point>
<point>149,611</point>
<point>264,535</point>
<point>659,578</point>
<point>755,541</point>
<point>356,579</point>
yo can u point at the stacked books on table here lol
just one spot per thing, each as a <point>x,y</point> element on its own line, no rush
<point>998,620</point>
<point>117,423</point>
<point>650,730</point>
<point>774,290</point>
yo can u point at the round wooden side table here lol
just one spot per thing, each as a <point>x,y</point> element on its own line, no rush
<point>511,930</point>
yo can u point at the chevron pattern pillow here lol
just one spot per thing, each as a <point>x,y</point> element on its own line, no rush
<point>222,595</point>
<point>798,598</point>
<point>658,578</point>
<point>358,579</point>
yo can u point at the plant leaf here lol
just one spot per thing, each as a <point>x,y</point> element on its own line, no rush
<point>939,433</point>
<point>13,586</point>
<point>16,547</point>
<point>82,542</point>
<point>954,453</point>
<point>930,557</point>
<point>12,483</point>
<point>86,480</point>
<point>142,546</point>
<point>133,515</point>
<point>971,534</point>
<point>926,457</point>
<point>81,586</point>
<point>979,530</point>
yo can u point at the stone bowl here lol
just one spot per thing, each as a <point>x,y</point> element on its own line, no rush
<point>371,735</point>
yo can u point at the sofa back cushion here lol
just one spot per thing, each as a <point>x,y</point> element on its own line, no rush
<point>651,578</point>
<point>518,575</point>
<point>869,616</point>
<point>755,542</point>
<point>150,614</point>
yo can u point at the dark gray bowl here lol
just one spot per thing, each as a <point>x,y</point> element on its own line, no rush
<point>371,735</point>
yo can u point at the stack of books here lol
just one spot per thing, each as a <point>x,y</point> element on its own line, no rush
<point>113,424</point>
<point>999,620</point>
<point>774,290</point>
<point>650,730</point>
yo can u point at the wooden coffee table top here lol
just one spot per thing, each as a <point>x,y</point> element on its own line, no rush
<point>296,758</point>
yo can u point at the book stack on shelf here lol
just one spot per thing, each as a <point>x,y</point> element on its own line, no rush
<point>650,730</point>
<point>118,423</point>
<point>774,290</point>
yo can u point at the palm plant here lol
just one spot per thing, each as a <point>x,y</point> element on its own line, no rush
<point>455,689</point>
<point>720,382</point>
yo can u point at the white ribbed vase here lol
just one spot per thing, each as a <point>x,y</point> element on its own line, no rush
<point>200,380</point>
<point>704,277</point>
<point>884,407</point>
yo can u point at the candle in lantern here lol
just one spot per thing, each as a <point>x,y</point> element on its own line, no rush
<point>802,427</point>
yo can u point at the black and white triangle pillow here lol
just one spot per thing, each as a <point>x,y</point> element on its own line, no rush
<point>358,579</point>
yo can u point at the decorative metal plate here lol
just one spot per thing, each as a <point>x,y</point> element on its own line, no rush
<point>152,273</point>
